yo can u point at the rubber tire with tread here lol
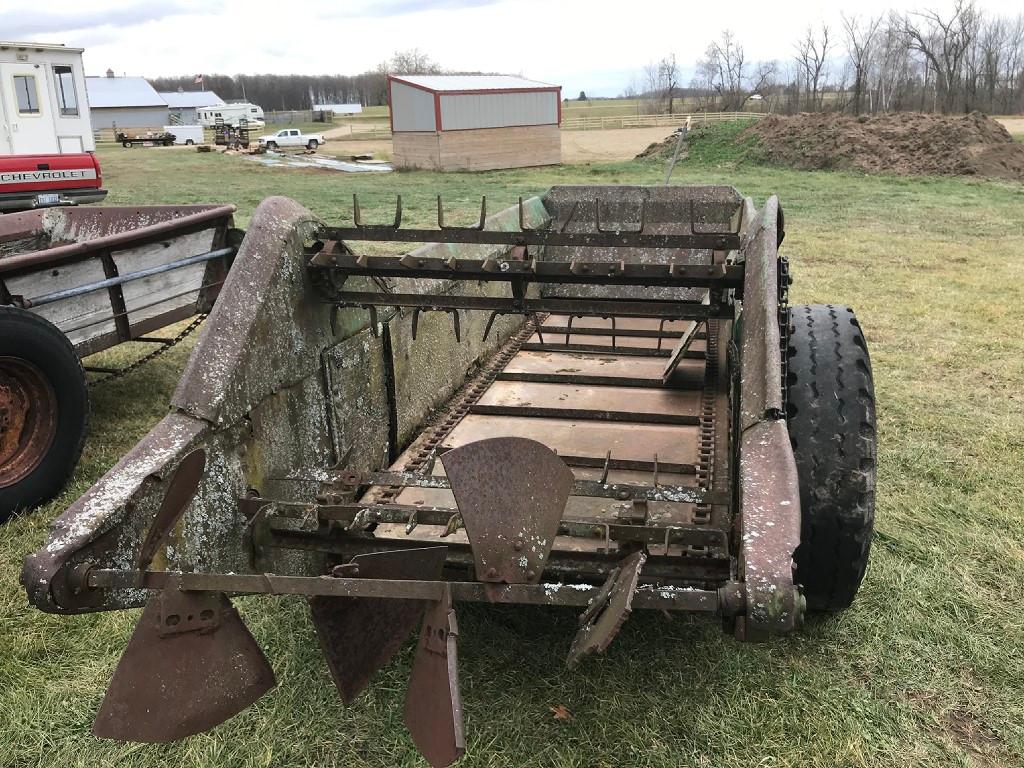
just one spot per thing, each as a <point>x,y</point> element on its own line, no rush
<point>28,336</point>
<point>312,144</point>
<point>189,142</point>
<point>271,145</point>
<point>831,419</point>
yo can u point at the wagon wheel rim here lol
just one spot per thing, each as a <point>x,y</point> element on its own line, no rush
<point>28,419</point>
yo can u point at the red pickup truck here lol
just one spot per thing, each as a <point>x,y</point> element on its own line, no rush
<point>37,181</point>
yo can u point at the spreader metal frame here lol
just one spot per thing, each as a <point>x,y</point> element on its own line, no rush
<point>338,434</point>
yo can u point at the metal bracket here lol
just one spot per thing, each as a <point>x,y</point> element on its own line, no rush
<point>357,217</point>
<point>600,623</point>
<point>179,612</point>
<point>478,227</point>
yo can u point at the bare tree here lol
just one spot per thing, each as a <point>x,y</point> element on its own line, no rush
<point>668,77</point>
<point>944,43</point>
<point>722,70</point>
<point>412,62</point>
<point>661,85</point>
<point>1012,75</point>
<point>812,56</point>
<point>725,76</point>
<point>860,47</point>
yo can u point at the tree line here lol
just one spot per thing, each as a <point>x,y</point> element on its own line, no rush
<point>293,92</point>
<point>955,61</point>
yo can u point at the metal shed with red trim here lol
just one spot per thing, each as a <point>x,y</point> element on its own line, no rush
<point>474,122</point>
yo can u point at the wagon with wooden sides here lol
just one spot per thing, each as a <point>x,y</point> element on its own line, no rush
<point>76,281</point>
<point>600,398</point>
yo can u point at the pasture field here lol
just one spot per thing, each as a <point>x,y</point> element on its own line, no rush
<point>924,670</point>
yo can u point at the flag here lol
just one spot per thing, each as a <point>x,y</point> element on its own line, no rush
<point>198,80</point>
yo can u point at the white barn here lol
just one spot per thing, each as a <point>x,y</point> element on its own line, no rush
<point>43,104</point>
<point>474,122</point>
<point>339,109</point>
<point>125,103</point>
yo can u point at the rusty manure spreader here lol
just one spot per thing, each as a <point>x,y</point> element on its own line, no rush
<point>599,399</point>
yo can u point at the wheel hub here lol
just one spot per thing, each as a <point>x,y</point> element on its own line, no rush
<point>28,419</point>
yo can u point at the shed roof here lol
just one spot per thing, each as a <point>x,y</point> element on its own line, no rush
<point>122,92</point>
<point>449,83</point>
<point>186,99</point>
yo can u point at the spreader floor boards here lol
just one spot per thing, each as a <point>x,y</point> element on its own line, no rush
<point>603,403</point>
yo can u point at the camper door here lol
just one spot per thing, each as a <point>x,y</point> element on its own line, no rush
<point>26,95</point>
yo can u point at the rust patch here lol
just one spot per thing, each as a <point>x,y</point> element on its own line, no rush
<point>511,493</point>
<point>28,419</point>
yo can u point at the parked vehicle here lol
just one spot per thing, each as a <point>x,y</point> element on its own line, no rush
<point>148,139</point>
<point>231,114</point>
<point>43,104</point>
<point>39,181</point>
<point>186,134</point>
<point>75,281</point>
<point>292,137</point>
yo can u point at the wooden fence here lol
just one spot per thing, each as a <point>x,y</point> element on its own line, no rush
<point>375,130</point>
<point>367,131</point>
<point>652,121</point>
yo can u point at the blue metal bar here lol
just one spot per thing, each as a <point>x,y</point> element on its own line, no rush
<point>69,293</point>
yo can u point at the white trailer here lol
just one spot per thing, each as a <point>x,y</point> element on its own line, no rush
<point>44,109</point>
<point>186,134</point>
<point>230,114</point>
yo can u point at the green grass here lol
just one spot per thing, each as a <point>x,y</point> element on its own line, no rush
<point>925,669</point>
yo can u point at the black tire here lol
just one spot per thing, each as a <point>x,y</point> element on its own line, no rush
<point>189,142</point>
<point>32,346</point>
<point>126,144</point>
<point>831,417</point>
<point>312,144</point>
<point>271,145</point>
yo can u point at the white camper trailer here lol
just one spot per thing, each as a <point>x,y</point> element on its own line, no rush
<point>231,114</point>
<point>43,105</point>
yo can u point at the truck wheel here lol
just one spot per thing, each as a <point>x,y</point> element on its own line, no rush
<point>271,145</point>
<point>189,142</point>
<point>44,410</point>
<point>313,144</point>
<point>831,418</point>
<point>126,144</point>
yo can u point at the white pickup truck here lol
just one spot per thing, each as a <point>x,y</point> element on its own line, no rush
<point>292,137</point>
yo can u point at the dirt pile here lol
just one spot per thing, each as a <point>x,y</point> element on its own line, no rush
<point>661,148</point>
<point>897,143</point>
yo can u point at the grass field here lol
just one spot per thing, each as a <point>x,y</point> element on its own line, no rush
<point>925,669</point>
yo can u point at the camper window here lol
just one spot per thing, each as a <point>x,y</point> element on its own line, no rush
<point>28,98</point>
<point>67,99</point>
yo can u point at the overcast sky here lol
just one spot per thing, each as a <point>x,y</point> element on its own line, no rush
<point>589,45</point>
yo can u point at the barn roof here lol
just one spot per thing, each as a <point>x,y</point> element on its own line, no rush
<point>186,99</point>
<point>122,92</point>
<point>443,83</point>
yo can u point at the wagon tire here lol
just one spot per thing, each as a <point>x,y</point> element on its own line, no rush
<point>830,413</point>
<point>44,410</point>
<point>312,144</point>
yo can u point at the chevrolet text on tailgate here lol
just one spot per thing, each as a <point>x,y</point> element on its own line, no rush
<point>36,181</point>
